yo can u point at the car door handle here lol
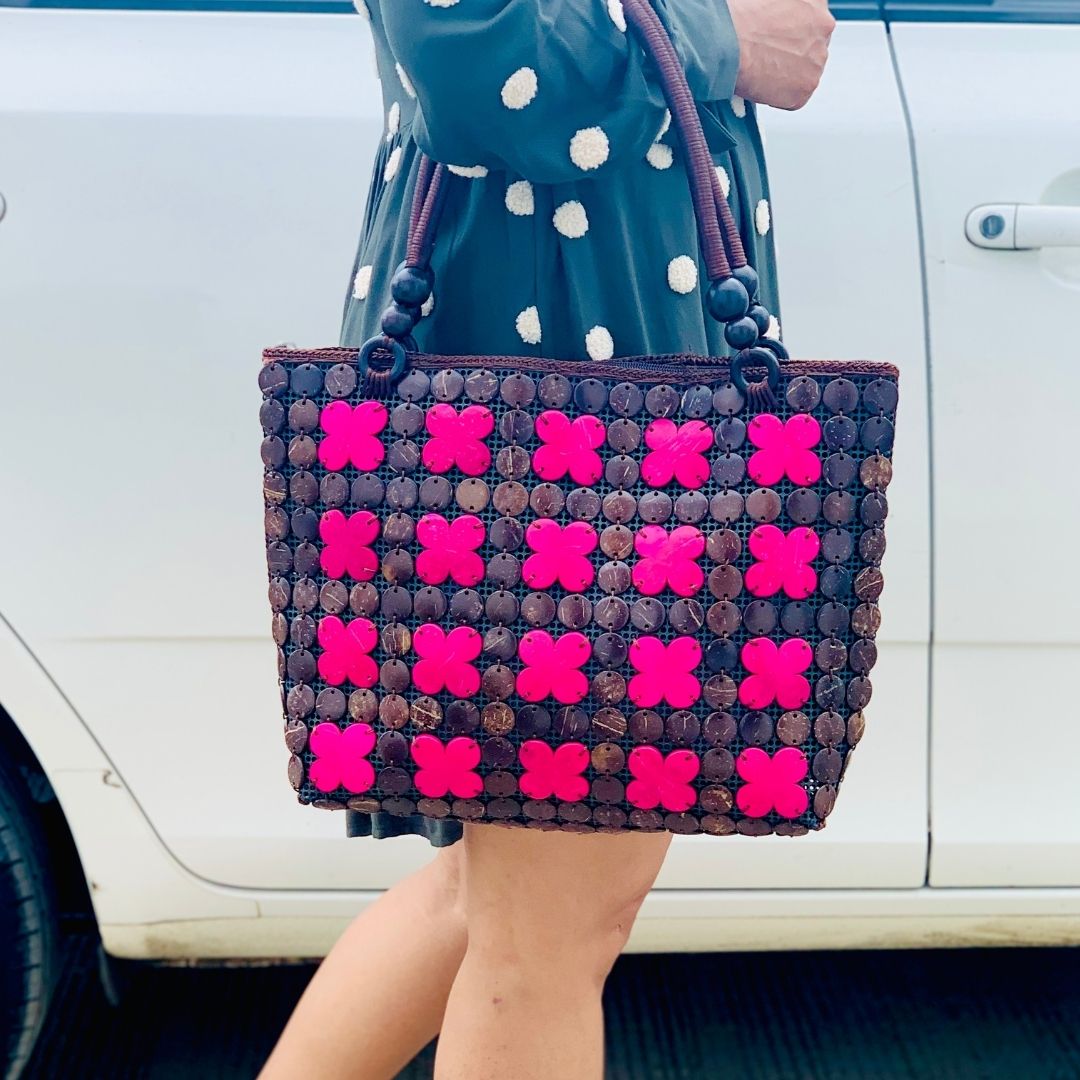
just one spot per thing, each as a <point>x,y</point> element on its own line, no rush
<point>1022,226</point>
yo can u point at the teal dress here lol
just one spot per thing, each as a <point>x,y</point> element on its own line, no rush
<point>569,231</point>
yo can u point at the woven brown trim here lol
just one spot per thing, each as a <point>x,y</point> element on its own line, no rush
<point>679,366</point>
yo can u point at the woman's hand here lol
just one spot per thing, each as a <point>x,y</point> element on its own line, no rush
<point>783,46</point>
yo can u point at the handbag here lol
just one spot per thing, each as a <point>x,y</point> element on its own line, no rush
<point>589,596</point>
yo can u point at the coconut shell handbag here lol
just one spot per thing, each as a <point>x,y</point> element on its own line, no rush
<point>632,594</point>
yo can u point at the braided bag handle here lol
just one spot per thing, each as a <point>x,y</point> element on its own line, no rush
<point>731,297</point>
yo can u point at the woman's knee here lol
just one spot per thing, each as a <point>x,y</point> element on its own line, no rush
<point>558,901</point>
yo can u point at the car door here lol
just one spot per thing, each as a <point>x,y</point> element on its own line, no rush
<point>184,188</point>
<point>992,92</point>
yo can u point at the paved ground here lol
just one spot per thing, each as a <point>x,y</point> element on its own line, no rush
<point>892,1015</point>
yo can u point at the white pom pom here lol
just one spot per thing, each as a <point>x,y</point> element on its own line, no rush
<point>660,156</point>
<point>519,89</point>
<point>570,219</point>
<point>725,180</point>
<point>618,16</point>
<point>682,274</point>
<point>762,217</point>
<point>407,86</point>
<point>589,148</point>
<point>528,325</point>
<point>393,121</point>
<point>774,328</point>
<point>472,172</point>
<point>519,198</point>
<point>393,163</point>
<point>428,306</point>
<point>362,283</point>
<point>738,106</point>
<point>599,344</point>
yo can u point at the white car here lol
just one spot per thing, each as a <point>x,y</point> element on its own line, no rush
<point>181,188</point>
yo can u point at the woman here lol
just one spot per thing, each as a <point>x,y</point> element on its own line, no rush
<point>570,233</point>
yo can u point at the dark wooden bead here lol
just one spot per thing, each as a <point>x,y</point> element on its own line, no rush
<point>718,729</point>
<point>619,507</point>
<point>608,724</point>
<point>533,721</point>
<point>725,582</point>
<point>510,498</point>
<point>575,611</point>
<point>516,426</point>
<point>840,395</point>
<point>306,559</point>
<point>304,488</point>
<point>696,401</point>
<point>333,490</point>
<point>462,717</point>
<point>363,706</point>
<point>497,682</point>
<point>394,712</point>
<point>803,393</point>
<point>502,607</point>
<point>728,469</point>
<point>626,399</point>
<point>647,614</point>
<point>402,493</point>
<point>414,386</point>
<point>466,606</point>
<point>273,379</point>
<point>662,400</point>
<point>686,616</point>
<point>682,727</point>
<point>691,507</point>
<point>447,385</point>
<point>518,390</point>
<point>840,433</point>
<point>726,507</point>
<point>614,577</point>
<point>796,618</point>
<point>611,612</point>
<point>407,418</point>
<point>756,728</point>
<point>306,380</point>
<point>304,523</point>
<point>645,726</point>
<point>877,434</point>
<point>760,617</point>
<point>655,507</point>
<point>835,582</point>
<point>296,734</point>
<point>330,704</point>
<point>716,799</point>
<point>279,558</point>
<point>826,766</point>
<point>721,654</point>
<point>803,506</point>
<point>499,642</point>
<point>497,718</point>
<point>279,593</point>
<point>398,528</point>
<point>590,396</point>
<point>727,299</point>
<point>583,504</point>
<point>793,728</point>
<point>512,462</point>
<point>869,583</point>
<point>717,764</point>
<point>554,391</point>
<point>538,609</point>
<point>829,729</point>
<point>856,727</point>
<point>731,433</point>
<point>296,772</point>
<point>547,500</point>
<point>837,545</point>
<point>754,826</point>
<point>862,656</point>
<point>829,692</point>
<point>840,470</point>
<point>481,385</point>
<point>272,452</point>
<point>621,471</point>
<point>426,713</point>
<point>728,399</point>
<point>718,825</point>
<point>876,472</point>
<point>833,618</point>
<point>368,491</point>
<point>271,416</point>
<point>617,542</point>
<point>720,692</point>
<point>830,654</point>
<point>473,495</point>
<point>624,435</point>
<point>299,702</point>
<point>723,618</point>
<point>838,508</point>
<point>880,395</point>
<point>569,722</point>
<point>608,688</point>
<point>874,509</point>
<point>429,603</point>
<point>305,595</point>
<point>504,570</point>
<point>741,333</point>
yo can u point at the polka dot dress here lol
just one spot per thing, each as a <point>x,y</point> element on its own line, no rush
<point>568,230</point>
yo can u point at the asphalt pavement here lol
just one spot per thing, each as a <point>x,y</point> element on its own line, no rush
<point>958,1014</point>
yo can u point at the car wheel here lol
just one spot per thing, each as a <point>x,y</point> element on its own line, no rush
<point>28,923</point>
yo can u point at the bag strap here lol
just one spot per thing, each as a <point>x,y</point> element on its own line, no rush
<point>731,296</point>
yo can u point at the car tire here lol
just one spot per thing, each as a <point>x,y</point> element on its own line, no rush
<point>28,923</point>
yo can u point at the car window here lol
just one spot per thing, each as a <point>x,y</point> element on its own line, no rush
<point>1009,11</point>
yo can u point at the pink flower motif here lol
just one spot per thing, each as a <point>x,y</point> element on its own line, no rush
<point>561,555</point>
<point>668,559</point>
<point>346,648</point>
<point>446,660</point>
<point>347,544</point>
<point>447,767</point>
<point>457,439</point>
<point>554,771</point>
<point>776,673</point>
<point>784,449</point>
<point>569,446</point>
<point>783,561</point>
<point>676,451</point>
<point>660,780</point>
<point>772,782</point>
<point>341,757</point>
<point>665,672</point>
<point>552,667</point>
<point>450,549</point>
<point>351,434</point>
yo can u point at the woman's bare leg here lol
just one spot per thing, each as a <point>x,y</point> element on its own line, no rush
<point>547,913</point>
<point>379,995</point>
